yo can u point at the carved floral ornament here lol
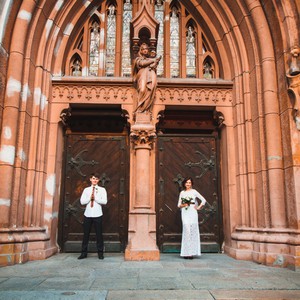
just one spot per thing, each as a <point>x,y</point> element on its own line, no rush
<point>116,94</point>
<point>293,76</point>
<point>143,137</point>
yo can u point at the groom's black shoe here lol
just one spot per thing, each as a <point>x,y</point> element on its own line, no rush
<point>100,255</point>
<point>82,256</point>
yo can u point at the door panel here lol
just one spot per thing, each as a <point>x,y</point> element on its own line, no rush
<point>187,156</point>
<point>108,157</point>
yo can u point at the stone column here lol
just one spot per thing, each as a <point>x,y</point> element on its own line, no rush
<point>142,217</point>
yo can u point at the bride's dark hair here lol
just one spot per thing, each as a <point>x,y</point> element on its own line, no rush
<point>185,180</point>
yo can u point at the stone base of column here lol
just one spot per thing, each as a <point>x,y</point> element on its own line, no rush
<point>141,255</point>
<point>19,245</point>
<point>142,238</point>
<point>276,247</point>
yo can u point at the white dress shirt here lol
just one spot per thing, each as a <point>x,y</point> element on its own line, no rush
<point>100,198</point>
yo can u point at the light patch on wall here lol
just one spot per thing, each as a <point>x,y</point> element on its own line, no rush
<point>101,59</point>
<point>86,3</point>
<point>24,15</point>
<point>69,29</point>
<point>4,202</point>
<point>297,120</point>
<point>7,154</point>
<point>29,200</point>
<point>55,215</point>
<point>37,96</point>
<point>13,86</point>
<point>48,27</point>
<point>44,101</point>
<point>21,155</point>
<point>274,158</point>
<point>102,35</point>
<point>57,46</point>
<point>49,202</point>
<point>85,71</point>
<point>47,217</point>
<point>7,132</point>
<point>102,17</point>
<point>50,184</point>
<point>56,31</point>
<point>25,92</point>
<point>59,4</point>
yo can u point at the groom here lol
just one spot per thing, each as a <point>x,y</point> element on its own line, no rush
<point>93,197</point>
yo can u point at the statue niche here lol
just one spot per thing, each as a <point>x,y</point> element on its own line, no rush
<point>144,32</point>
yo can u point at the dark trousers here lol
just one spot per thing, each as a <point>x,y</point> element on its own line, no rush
<point>87,226</point>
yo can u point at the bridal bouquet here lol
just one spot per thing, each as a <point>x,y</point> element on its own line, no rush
<point>186,200</point>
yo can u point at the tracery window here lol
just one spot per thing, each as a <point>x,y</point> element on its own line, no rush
<point>127,17</point>
<point>190,52</point>
<point>174,43</point>
<point>94,49</point>
<point>102,45</point>
<point>110,41</point>
<point>159,16</point>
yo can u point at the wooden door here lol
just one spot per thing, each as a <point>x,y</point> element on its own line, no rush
<point>193,156</point>
<point>106,155</point>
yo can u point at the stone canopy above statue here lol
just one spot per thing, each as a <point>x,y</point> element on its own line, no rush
<point>144,29</point>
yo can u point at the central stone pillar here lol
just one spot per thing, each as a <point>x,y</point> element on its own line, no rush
<point>142,216</point>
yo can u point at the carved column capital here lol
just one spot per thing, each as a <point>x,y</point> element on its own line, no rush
<point>65,116</point>
<point>143,137</point>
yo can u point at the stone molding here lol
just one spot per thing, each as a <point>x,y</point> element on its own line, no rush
<point>267,235</point>
<point>121,91</point>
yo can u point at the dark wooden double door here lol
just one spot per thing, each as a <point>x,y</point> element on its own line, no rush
<point>177,156</point>
<point>181,156</point>
<point>108,156</point>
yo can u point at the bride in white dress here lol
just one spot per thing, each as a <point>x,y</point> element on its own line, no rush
<point>187,202</point>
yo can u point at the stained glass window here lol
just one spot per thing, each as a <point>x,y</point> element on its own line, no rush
<point>110,42</point>
<point>126,61</point>
<point>190,53</point>
<point>94,49</point>
<point>159,15</point>
<point>174,43</point>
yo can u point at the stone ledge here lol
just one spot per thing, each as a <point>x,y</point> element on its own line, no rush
<point>142,255</point>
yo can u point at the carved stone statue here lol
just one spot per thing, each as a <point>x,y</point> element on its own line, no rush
<point>145,79</point>
<point>76,68</point>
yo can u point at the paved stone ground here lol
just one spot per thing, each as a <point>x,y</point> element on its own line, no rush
<point>212,276</point>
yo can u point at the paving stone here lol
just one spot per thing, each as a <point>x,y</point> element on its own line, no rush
<point>215,276</point>
<point>162,295</point>
<point>253,294</point>
<point>53,295</point>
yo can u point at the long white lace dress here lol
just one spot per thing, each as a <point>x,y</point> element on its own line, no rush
<point>190,244</point>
